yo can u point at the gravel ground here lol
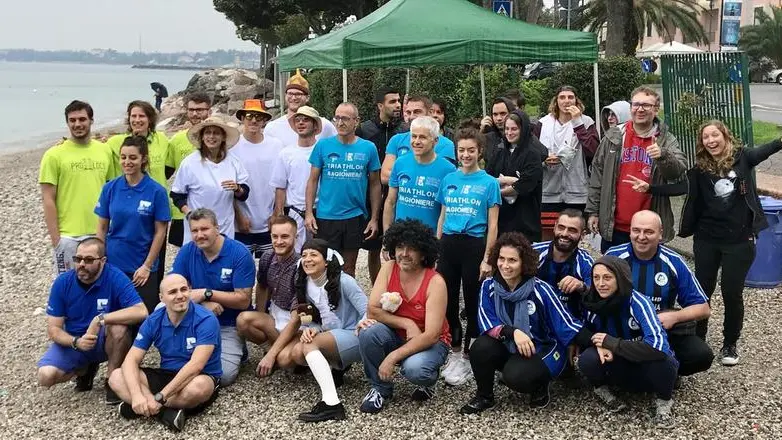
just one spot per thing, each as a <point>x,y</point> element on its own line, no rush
<point>742,402</point>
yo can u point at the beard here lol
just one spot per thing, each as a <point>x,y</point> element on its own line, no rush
<point>565,244</point>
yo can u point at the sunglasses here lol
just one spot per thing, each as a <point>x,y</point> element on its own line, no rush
<point>252,116</point>
<point>87,260</point>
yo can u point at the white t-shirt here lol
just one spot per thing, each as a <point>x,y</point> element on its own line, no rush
<point>200,180</point>
<point>291,171</point>
<point>282,130</point>
<point>258,160</point>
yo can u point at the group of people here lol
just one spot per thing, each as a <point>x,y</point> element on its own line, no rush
<point>270,219</point>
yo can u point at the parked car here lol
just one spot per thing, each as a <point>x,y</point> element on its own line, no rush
<point>540,70</point>
<point>774,76</point>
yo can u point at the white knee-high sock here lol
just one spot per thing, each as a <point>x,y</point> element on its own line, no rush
<point>322,371</point>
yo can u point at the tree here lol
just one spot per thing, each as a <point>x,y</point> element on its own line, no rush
<point>627,21</point>
<point>764,39</point>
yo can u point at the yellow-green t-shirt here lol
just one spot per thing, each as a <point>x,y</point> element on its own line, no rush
<point>79,173</point>
<point>157,142</point>
<point>179,147</point>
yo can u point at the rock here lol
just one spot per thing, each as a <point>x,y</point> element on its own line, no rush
<point>38,311</point>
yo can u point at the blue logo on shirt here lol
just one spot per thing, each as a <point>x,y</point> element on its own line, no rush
<point>102,304</point>
<point>404,179</point>
<point>190,343</point>
<point>144,207</point>
<point>225,275</point>
<point>451,189</point>
<point>333,157</point>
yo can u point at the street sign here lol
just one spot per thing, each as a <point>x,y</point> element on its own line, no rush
<point>504,7</point>
<point>648,65</point>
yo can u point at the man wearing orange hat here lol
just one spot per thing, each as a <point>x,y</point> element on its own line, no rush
<point>257,153</point>
<point>297,94</point>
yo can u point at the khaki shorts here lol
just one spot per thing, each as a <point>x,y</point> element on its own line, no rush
<point>64,253</point>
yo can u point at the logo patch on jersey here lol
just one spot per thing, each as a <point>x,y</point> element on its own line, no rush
<point>333,157</point>
<point>139,337</point>
<point>144,207</point>
<point>225,275</point>
<point>190,343</point>
<point>102,304</point>
<point>404,179</point>
<point>402,151</point>
<point>531,309</point>
<point>421,180</point>
<point>556,356</point>
<point>660,279</point>
<point>451,189</point>
<point>633,324</point>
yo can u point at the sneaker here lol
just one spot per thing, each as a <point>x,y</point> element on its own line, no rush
<point>663,416</point>
<point>450,361</point>
<point>125,411</point>
<point>84,382</point>
<point>477,405</point>
<point>729,354</point>
<point>111,397</point>
<point>460,373</point>
<point>373,402</point>
<point>422,394</point>
<point>174,419</point>
<point>322,412</point>
<point>541,397</point>
<point>609,401</point>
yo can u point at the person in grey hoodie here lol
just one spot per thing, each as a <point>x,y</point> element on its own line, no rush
<point>614,114</point>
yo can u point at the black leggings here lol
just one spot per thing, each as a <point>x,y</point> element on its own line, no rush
<point>523,375</point>
<point>644,377</point>
<point>148,291</point>
<point>735,261</point>
<point>460,266</point>
<point>693,353</point>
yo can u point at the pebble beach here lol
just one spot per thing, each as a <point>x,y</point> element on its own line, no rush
<point>743,402</point>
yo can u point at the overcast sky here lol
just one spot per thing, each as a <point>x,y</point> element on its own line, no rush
<point>161,25</point>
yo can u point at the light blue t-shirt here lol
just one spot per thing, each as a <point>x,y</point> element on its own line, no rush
<point>467,199</point>
<point>399,145</point>
<point>417,187</point>
<point>344,177</point>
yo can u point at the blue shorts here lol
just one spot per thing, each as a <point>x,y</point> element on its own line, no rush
<point>347,345</point>
<point>70,360</point>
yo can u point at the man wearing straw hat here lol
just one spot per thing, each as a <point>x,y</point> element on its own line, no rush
<point>297,94</point>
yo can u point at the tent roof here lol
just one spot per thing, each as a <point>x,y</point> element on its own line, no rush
<point>674,47</point>
<point>413,33</point>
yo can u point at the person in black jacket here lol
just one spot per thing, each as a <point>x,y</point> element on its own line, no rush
<point>517,165</point>
<point>493,127</point>
<point>723,213</point>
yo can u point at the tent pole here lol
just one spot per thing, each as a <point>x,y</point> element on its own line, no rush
<point>597,98</point>
<point>407,82</point>
<point>344,85</point>
<point>483,91</point>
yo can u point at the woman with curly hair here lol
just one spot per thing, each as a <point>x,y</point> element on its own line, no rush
<point>724,215</point>
<point>405,317</point>
<point>525,329</point>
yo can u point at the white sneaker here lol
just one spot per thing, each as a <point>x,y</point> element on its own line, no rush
<point>460,373</point>
<point>450,361</point>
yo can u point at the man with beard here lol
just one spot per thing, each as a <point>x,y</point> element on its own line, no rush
<point>72,176</point>
<point>221,272</point>
<point>89,311</point>
<point>493,127</point>
<point>297,94</point>
<point>257,153</point>
<point>562,264</point>
<point>662,275</point>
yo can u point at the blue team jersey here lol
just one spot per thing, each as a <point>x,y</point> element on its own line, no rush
<point>69,299</point>
<point>579,266</point>
<point>637,321</point>
<point>344,177</point>
<point>176,344</point>
<point>665,279</point>
<point>399,145</point>
<point>132,212</point>
<point>417,187</point>
<point>234,268</point>
<point>467,199</point>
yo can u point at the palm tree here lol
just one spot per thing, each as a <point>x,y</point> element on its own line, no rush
<point>664,16</point>
<point>764,39</point>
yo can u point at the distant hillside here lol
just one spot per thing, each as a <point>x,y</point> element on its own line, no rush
<point>246,59</point>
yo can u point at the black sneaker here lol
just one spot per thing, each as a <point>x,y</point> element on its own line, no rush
<point>84,382</point>
<point>125,411</point>
<point>322,412</point>
<point>373,402</point>
<point>540,398</point>
<point>422,394</point>
<point>730,355</point>
<point>477,405</point>
<point>173,418</point>
<point>111,397</point>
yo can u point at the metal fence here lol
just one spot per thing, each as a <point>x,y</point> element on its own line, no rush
<point>704,86</point>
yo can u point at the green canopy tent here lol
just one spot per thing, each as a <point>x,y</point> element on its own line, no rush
<point>413,33</point>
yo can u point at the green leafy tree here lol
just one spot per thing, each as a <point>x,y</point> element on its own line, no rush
<point>764,39</point>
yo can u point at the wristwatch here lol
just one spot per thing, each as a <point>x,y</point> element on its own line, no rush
<point>74,343</point>
<point>160,399</point>
<point>102,319</point>
<point>207,294</point>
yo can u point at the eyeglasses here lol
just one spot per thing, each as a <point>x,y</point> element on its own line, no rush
<point>342,119</point>
<point>87,260</point>
<point>298,119</point>
<point>253,116</point>
<point>197,110</point>
<point>296,94</point>
<point>644,105</point>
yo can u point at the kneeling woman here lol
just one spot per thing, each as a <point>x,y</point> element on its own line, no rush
<point>321,333</point>
<point>629,348</point>
<point>525,329</point>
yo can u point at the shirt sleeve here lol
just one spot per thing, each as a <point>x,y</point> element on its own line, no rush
<point>208,330</point>
<point>146,334</point>
<point>393,145</point>
<point>244,271</point>
<point>393,180</point>
<point>279,177</point>
<point>241,172</point>
<point>56,305</point>
<point>102,207</point>
<point>374,158</point>
<point>181,179</point>
<point>352,291</point>
<point>263,268</point>
<point>494,194</point>
<point>560,321</point>
<point>126,293</point>
<point>180,265</point>
<point>441,191</point>
<point>329,130</point>
<point>644,313</point>
<point>584,263</point>
<point>50,169</point>
<point>448,149</point>
<point>690,292</point>
<point>316,159</point>
<point>487,316</point>
<point>162,208</point>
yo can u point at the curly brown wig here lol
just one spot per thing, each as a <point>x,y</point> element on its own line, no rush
<point>415,234</point>
<point>720,166</point>
<point>553,107</point>
<point>517,240</point>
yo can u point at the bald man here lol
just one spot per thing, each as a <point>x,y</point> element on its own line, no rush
<point>662,275</point>
<point>187,335</point>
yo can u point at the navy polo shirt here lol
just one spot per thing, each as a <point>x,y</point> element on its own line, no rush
<point>79,304</point>
<point>176,343</point>
<point>132,212</point>
<point>233,268</point>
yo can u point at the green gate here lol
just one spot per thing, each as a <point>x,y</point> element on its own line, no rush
<point>704,86</point>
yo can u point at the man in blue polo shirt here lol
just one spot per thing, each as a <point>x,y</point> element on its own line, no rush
<point>221,272</point>
<point>90,308</point>
<point>346,167</point>
<point>415,178</point>
<point>187,335</point>
<point>661,274</point>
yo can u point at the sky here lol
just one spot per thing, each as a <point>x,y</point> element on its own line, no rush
<point>123,25</point>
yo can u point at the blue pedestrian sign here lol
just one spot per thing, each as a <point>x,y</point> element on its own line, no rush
<point>504,7</point>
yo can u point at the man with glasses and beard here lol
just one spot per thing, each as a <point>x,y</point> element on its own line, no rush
<point>297,94</point>
<point>89,311</point>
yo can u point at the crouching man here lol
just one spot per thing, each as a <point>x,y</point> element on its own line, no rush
<point>187,335</point>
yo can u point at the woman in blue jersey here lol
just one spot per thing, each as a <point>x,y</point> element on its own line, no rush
<point>467,229</point>
<point>133,214</point>
<point>525,329</point>
<point>628,347</point>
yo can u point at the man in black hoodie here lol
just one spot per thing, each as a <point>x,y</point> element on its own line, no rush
<point>493,127</point>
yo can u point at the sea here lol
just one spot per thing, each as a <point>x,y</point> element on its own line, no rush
<point>33,97</point>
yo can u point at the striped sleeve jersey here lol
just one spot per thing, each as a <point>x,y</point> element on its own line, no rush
<point>579,265</point>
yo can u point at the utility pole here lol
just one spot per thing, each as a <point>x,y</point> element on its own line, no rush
<point>569,8</point>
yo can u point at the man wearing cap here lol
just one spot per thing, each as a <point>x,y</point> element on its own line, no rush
<point>257,153</point>
<point>292,170</point>
<point>297,94</point>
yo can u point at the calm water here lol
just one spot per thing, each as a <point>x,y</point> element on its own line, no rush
<point>34,95</point>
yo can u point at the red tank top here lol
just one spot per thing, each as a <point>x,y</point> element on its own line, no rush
<point>415,307</point>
